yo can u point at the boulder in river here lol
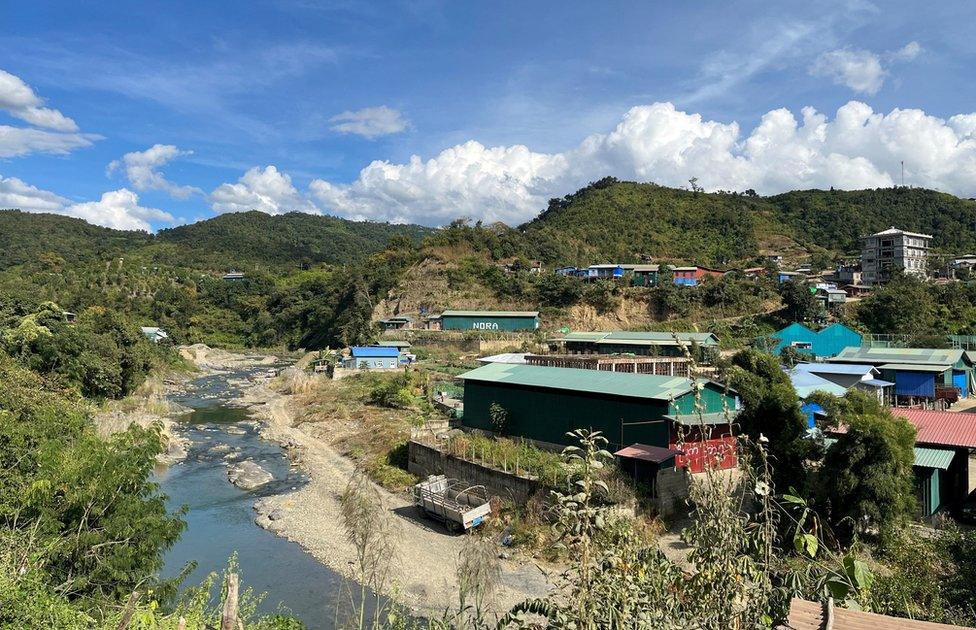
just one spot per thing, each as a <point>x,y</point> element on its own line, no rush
<point>248,475</point>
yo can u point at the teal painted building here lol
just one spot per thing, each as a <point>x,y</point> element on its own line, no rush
<point>824,343</point>
<point>544,403</point>
<point>502,321</point>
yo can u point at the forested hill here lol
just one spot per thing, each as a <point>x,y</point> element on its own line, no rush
<point>612,220</point>
<point>239,239</point>
<point>26,236</point>
<point>606,221</point>
<point>288,238</point>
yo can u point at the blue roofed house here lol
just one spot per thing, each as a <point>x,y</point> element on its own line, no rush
<point>372,358</point>
<point>825,343</point>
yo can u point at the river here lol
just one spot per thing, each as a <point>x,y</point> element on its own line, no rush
<point>220,521</point>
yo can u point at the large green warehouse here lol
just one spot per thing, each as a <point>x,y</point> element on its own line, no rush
<point>544,403</point>
<point>509,321</point>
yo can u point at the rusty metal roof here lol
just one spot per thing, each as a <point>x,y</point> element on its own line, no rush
<point>941,428</point>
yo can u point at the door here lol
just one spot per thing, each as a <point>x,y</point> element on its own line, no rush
<point>961,380</point>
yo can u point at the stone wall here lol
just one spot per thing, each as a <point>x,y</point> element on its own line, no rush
<point>427,460</point>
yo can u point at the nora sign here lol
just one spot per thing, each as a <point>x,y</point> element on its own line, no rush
<point>484,326</point>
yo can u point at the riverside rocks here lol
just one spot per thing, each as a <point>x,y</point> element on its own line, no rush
<point>248,475</point>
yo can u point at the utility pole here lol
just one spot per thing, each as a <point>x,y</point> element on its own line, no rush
<point>903,173</point>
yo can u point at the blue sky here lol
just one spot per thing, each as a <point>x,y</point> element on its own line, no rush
<point>155,114</point>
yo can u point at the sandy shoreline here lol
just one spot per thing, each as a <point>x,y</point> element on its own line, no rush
<point>424,570</point>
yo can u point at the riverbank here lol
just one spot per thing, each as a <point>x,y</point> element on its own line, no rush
<point>424,569</point>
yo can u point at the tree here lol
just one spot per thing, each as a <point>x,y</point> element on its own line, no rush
<point>771,409</point>
<point>866,480</point>
<point>903,306</point>
<point>557,290</point>
<point>799,302</point>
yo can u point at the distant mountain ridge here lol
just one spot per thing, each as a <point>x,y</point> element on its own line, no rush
<point>233,239</point>
<point>608,220</point>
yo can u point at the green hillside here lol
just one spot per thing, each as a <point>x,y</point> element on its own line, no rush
<point>619,221</point>
<point>836,218</point>
<point>256,237</point>
<point>611,220</point>
<point>25,236</point>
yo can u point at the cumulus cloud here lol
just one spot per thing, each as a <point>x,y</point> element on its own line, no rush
<point>859,148</point>
<point>20,101</point>
<point>57,132</point>
<point>267,190</point>
<point>117,209</point>
<point>861,70</point>
<point>15,193</point>
<point>142,170</point>
<point>371,122</point>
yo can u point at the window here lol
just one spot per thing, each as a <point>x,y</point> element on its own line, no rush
<point>802,345</point>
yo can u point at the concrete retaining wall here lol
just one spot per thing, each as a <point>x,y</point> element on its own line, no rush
<point>426,460</point>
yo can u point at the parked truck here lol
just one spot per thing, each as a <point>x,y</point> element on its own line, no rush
<point>458,505</point>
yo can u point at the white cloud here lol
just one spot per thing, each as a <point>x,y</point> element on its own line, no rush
<point>58,134</point>
<point>15,193</point>
<point>860,70</point>
<point>142,170</point>
<point>371,122</point>
<point>265,189</point>
<point>20,101</point>
<point>17,141</point>
<point>117,209</point>
<point>859,148</point>
<point>908,52</point>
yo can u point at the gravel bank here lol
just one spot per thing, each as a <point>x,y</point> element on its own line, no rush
<point>425,567</point>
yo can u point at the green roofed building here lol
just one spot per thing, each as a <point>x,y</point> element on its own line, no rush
<point>507,321</point>
<point>544,403</point>
<point>641,343</point>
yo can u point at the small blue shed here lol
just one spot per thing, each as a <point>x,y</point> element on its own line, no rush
<point>372,357</point>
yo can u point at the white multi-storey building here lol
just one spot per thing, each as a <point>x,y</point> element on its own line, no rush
<point>893,250</point>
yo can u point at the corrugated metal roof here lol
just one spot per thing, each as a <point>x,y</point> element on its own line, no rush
<point>394,344</point>
<point>876,382</point>
<point>941,428</point>
<point>490,314</point>
<point>703,419</point>
<point>644,452</point>
<point>647,386</point>
<point>656,338</point>
<point>374,351</point>
<point>914,367</point>
<point>874,356</point>
<point>805,615</point>
<point>836,368</point>
<point>583,336</point>
<point>805,383</point>
<point>933,457</point>
<point>515,358</point>
<point>924,456</point>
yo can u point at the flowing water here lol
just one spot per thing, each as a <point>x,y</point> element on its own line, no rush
<point>220,521</point>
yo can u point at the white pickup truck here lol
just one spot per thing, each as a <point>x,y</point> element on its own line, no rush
<point>458,505</point>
